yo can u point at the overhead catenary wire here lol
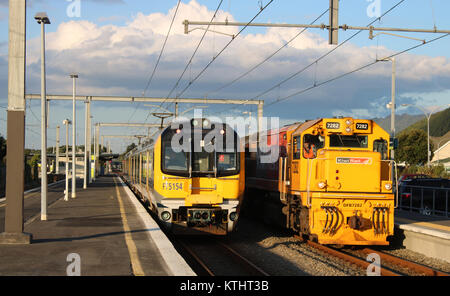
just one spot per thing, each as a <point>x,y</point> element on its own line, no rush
<point>266,59</point>
<point>223,49</point>
<point>162,49</point>
<point>158,60</point>
<point>353,71</point>
<point>189,62</point>
<point>324,55</point>
<point>262,8</point>
<point>194,53</point>
<point>316,61</point>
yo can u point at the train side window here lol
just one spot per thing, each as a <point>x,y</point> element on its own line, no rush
<point>297,148</point>
<point>381,146</point>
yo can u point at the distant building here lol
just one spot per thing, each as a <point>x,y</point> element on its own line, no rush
<point>442,156</point>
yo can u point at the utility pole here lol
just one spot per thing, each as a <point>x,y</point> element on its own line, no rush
<point>334,22</point>
<point>74,144</point>
<point>15,126</point>
<point>392,105</point>
<point>57,150</point>
<point>43,19</point>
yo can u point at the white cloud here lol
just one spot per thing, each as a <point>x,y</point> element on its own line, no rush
<point>117,60</point>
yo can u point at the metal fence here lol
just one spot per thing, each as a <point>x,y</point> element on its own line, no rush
<point>432,201</point>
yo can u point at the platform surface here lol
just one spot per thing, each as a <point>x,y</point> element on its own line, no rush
<point>434,226</point>
<point>105,229</point>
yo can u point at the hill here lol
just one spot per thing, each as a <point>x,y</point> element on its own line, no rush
<point>401,122</point>
<point>439,123</point>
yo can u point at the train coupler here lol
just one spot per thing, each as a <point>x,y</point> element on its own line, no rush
<point>331,220</point>
<point>379,220</point>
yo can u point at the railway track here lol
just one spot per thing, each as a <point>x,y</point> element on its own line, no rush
<point>212,248</point>
<point>396,265</point>
<point>220,259</point>
<point>399,262</point>
<point>242,266</point>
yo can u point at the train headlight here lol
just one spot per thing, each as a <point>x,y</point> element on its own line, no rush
<point>233,216</point>
<point>205,123</point>
<point>348,130</point>
<point>388,186</point>
<point>321,185</point>
<point>348,122</point>
<point>165,216</point>
<point>194,122</point>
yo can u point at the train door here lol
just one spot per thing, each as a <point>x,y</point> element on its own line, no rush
<point>295,162</point>
<point>283,166</point>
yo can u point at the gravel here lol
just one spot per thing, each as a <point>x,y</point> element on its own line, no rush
<point>420,259</point>
<point>278,253</point>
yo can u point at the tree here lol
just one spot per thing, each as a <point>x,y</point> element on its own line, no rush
<point>412,147</point>
<point>130,147</point>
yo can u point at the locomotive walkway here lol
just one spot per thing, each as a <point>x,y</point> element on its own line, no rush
<point>105,229</point>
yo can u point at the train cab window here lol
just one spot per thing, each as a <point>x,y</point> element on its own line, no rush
<point>381,146</point>
<point>203,162</point>
<point>350,141</point>
<point>226,161</point>
<point>172,162</point>
<point>311,144</point>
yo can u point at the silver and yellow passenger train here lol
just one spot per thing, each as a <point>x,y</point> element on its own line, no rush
<point>191,175</point>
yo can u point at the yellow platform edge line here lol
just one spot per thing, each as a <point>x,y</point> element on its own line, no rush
<point>132,250</point>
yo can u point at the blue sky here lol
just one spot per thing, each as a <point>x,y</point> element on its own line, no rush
<point>114,45</point>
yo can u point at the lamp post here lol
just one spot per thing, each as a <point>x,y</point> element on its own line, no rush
<point>43,20</point>
<point>428,116</point>
<point>66,192</point>
<point>86,131</point>
<point>57,150</point>
<point>74,144</point>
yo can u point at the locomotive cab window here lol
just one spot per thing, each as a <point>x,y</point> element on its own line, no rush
<point>348,141</point>
<point>381,146</point>
<point>311,144</point>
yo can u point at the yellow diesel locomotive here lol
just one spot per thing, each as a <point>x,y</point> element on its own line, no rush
<point>333,181</point>
<point>191,175</point>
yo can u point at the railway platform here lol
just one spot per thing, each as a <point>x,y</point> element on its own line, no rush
<point>104,231</point>
<point>427,235</point>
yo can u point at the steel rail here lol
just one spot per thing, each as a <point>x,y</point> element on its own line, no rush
<point>243,261</point>
<point>196,258</point>
<point>351,259</point>
<point>406,263</point>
